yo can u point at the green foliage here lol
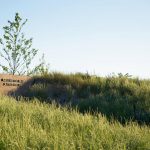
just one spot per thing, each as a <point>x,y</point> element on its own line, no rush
<point>35,125</point>
<point>17,52</point>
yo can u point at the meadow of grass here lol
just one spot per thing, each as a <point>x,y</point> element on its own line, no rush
<point>29,125</point>
<point>120,96</point>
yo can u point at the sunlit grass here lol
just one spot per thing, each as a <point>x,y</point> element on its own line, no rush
<point>35,125</point>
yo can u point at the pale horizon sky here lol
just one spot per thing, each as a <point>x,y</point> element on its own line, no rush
<point>98,36</point>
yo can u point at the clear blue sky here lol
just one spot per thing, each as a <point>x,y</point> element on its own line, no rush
<point>98,36</point>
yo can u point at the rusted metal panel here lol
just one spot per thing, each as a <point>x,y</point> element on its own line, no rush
<point>10,83</point>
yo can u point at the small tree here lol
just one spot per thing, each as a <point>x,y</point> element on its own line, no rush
<point>42,68</point>
<point>16,50</point>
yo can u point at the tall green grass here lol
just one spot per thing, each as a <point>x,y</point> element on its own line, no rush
<point>119,96</point>
<point>34,125</point>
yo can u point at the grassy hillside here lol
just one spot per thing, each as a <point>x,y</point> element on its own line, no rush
<point>122,97</point>
<point>35,125</point>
